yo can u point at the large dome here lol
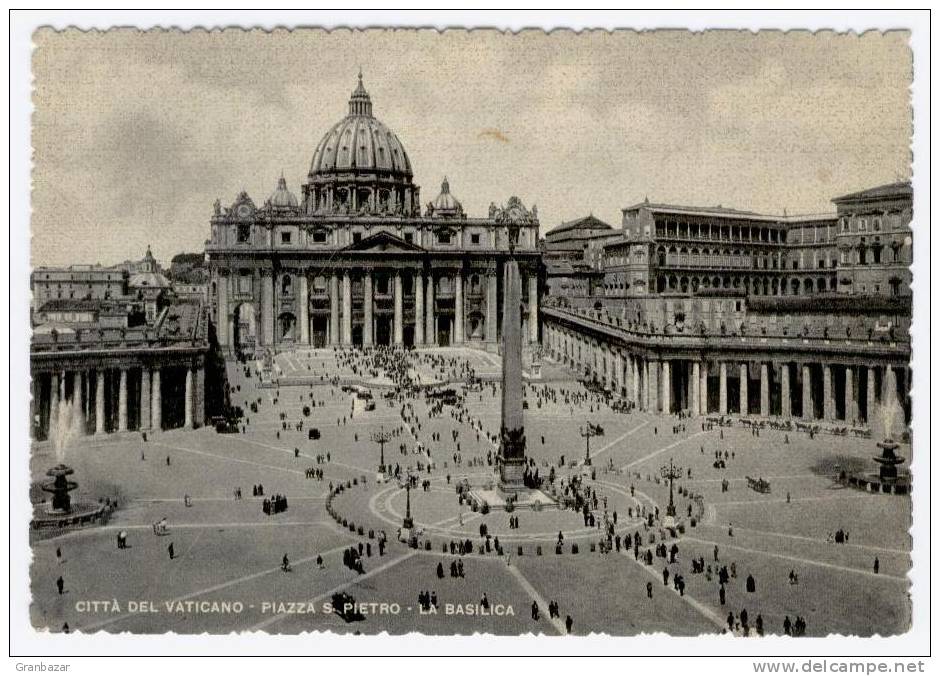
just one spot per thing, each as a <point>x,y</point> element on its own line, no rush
<point>360,143</point>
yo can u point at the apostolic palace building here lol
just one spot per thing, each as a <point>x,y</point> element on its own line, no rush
<point>358,260</point>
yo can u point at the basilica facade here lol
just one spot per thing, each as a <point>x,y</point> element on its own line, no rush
<point>357,260</point>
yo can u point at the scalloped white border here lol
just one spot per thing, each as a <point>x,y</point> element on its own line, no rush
<point>26,641</point>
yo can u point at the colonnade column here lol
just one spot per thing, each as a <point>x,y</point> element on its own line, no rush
<point>199,396</point>
<point>458,309</point>
<point>99,401</point>
<point>419,308</point>
<point>156,402</point>
<point>851,401</point>
<point>491,310</point>
<point>145,398</point>
<point>188,400</point>
<point>367,303</point>
<point>53,403</point>
<point>347,309</point>
<point>764,390</point>
<point>786,409</point>
<point>304,309</point>
<point>533,308</point>
<point>334,309</point>
<point>122,402</point>
<point>696,389</point>
<point>397,325</point>
<point>667,387</point>
<point>807,393</point>
<point>742,389</point>
<point>635,377</point>
<point>619,376</point>
<point>889,388</point>
<point>653,389</point>
<point>703,389</point>
<point>430,332</point>
<point>723,388</point>
<point>870,402</point>
<point>78,400</point>
<point>829,400</point>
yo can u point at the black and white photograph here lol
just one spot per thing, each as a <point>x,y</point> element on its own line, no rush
<point>443,332</point>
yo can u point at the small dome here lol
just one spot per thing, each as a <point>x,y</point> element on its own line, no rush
<point>282,198</point>
<point>445,204</point>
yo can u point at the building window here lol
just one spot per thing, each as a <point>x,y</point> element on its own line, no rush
<point>443,238</point>
<point>285,238</point>
<point>475,238</point>
<point>409,237</point>
<point>319,237</point>
<point>357,237</point>
<point>862,224</point>
<point>244,233</point>
<point>876,224</point>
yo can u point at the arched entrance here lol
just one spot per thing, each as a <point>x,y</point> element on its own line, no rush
<point>383,330</point>
<point>443,329</point>
<point>319,330</point>
<point>286,327</point>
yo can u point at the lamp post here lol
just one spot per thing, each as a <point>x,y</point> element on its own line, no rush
<point>381,438</point>
<point>587,432</point>
<point>408,522</point>
<point>670,473</point>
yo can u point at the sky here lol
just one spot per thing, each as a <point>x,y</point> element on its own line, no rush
<point>136,134</point>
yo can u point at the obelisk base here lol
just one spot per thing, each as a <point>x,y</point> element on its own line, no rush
<point>511,475</point>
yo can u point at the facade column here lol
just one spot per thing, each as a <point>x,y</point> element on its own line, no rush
<point>188,400</point>
<point>334,309</point>
<point>764,390</point>
<point>653,388</point>
<point>786,408</point>
<point>870,401</point>
<point>491,309</point>
<point>533,308</point>
<point>145,398</point>
<point>304,309</point>
<point>703,389</point>
<point>742,389</point>
<point>398,326</point>
<point>851,398</point>
<point>222,325</point>
<point>347,309</point>
<point>99,401</point>
<point>667,387</point>
<point>78,399</point>
<point>696,389</point>
<point>430,326</point>
<point>156,402</point>
<point>459,321</point>
<point>267,306</point>
<point>367,303</point>
<point>808,412</point>
<point>419,308</point>
<point>723,388</point>
<point>619,376</point>
<point>122,402</point>
<point>829,400</point>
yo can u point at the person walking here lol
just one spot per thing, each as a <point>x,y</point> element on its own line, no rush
<point>60,585</point>
<point>170,550</point>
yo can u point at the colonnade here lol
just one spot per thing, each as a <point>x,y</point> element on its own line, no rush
<point>116,399</point>
<point>830,389</point>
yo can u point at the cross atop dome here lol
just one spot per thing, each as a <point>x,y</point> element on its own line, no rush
<point>359,102</point>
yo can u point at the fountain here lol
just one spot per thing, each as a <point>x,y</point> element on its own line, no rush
<point>60,487</point>
<point>889,479</point>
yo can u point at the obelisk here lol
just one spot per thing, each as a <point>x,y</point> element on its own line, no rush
<point>512,430</point>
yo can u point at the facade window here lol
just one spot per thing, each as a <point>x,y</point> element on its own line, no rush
<point>319,237</point>
<point>285,238</point>
<point>862,224</point>
<point>844,223</point>
<point>244,233</point>
<point>475,238</point>
<point>409,237</point>
<point>357,237</point>
<point>876,224</point>
<point>443,238</point>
